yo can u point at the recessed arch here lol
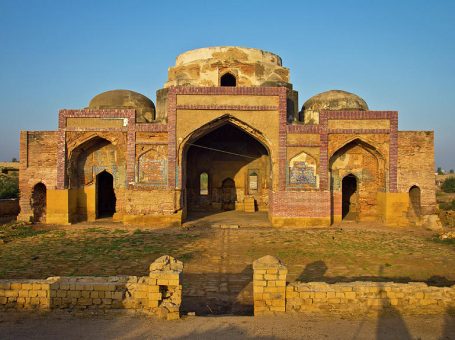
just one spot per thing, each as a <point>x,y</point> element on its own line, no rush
<point>367,165</point>
<point>303,171</point>
<point>224,148</point>
<point>215,124</point>
<point>228,79</point>
<point>368,145</point>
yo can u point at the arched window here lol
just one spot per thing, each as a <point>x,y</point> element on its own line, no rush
<point>253,182</point>
<point>204,184</point>
<point>228,80</point>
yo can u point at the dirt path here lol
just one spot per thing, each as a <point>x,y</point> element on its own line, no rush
<point>123,326</point>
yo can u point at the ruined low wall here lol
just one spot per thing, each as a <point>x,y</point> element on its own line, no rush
<point>347,299</point>
<point>159,294</point>
<point>362,298</point>
<point>9,209</point>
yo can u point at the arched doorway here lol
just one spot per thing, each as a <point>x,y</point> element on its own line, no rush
<point>105,195</point>
<point>38,203</point>
<point>414,202</point>
<point>229,155</point>
<point>349,200</point>
<point>366,165</point>
<point>229,195</point>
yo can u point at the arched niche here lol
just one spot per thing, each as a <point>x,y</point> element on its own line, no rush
<point>367,164</point>
<point>303,171</point>
<point>152,166</point>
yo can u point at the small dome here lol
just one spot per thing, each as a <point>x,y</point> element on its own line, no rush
<point>125,99</point>
<point>335,100</point>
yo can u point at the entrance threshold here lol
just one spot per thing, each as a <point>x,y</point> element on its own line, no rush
<point>232,217</point>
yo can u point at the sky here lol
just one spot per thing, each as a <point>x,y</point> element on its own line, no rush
<point>397,55</point>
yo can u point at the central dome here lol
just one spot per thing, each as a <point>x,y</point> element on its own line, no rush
<point>249,67</point>
<point>126,99</point>
<point>228,53</point>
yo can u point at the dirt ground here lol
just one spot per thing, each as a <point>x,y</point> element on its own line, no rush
<point>217,276</point>
<point>125,326</point>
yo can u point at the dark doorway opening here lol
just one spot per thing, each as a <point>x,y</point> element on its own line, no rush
<point>39,203</point>
<point>229,194</point>
<point>349,198</point>
<point>228,80</point>
<point>105,195</point>
<point>414,201</point>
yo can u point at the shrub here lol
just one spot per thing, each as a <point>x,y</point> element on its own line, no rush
<point>447,205</point>
<point>448,185</point>
<point>9,186</point>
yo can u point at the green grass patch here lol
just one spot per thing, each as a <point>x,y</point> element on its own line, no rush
<point>17,230</point>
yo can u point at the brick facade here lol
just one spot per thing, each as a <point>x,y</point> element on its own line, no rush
<point>151,157</point>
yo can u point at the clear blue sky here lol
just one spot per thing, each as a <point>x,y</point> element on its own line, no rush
<point>397,55</point>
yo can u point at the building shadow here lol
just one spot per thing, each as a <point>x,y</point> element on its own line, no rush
<point>449,324</point>
<point>390,320</point>
<point>218,293</point>
<point>315,271</point>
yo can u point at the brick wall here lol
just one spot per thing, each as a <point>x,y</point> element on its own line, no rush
<point>416,166</point>
<point>38,163</point>
<point>300,203</point>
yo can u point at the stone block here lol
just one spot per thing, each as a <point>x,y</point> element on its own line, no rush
<point>23,293</point>
<point>166,263</point>
<point>117,295</point>
<point>64,286</point>
<point>104,287</point>
<point>153,303</point>
<point>350,295</point>
<point>84,301</point>
<point>61,293</point>
<point>16,286</point>
<point>5,285</point>
<point>280,303</point>
<point>74,293</point>
<point>34,301</point>
<point>155,296</point>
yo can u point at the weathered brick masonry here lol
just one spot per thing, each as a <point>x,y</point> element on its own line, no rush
<point>334,159</point>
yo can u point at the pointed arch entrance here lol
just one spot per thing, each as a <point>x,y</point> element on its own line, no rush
<point>228,154</point>
<point>357,174</point>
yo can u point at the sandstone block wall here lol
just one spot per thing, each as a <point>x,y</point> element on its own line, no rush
<point>160,294</point>
<point>272,294</point>
<point>362,298</point>
<point>269,285</point>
